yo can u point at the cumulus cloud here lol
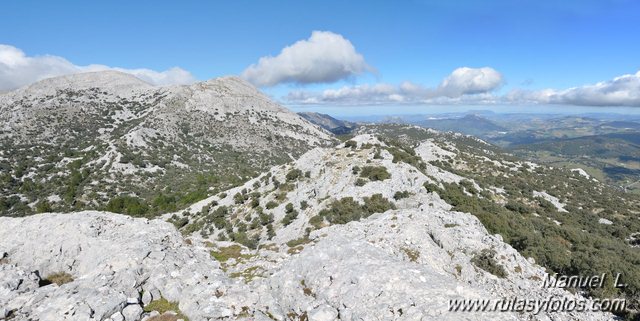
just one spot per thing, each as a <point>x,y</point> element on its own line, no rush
<point>323,58</point>
<point>17,70</point>
<point>620,91</point>
<point>465,81</point>
<point>463,85</point>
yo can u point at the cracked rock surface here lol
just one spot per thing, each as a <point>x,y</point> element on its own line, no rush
<point>397,265</point>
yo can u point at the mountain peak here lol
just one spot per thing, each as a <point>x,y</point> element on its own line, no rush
<point>108,79</point>
<point>229,84</point>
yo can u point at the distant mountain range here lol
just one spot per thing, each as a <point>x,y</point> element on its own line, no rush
<point>337,127</point>
<point>469,124</point>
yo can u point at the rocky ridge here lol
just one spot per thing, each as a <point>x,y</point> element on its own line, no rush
<point>404,258</point>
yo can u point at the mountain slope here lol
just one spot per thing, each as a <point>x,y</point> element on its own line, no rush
<point>550,214</point>
<point>404,257</point>
<point>82,141</point>
<point>375,228</point>
<point>336,126</point>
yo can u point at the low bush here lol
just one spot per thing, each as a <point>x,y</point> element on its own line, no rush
<point>400,195</point>
<point>347,209</point>
<point>375,173</point>
<point>486,261</point>
<point>293,175</point>
<point>129,205</point>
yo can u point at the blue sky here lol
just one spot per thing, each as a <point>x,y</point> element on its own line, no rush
<point>533,45</point>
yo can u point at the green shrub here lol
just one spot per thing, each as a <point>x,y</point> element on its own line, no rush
<point>343,211</point>
<point>271,205</point>
<point>129,205</point>
<point>293,175</point>
<point>265,219</point>
<point>486,261</point>
<point>316,221</point>
<point>406,155</point>
<point>271,233</point>
<point>290,216</point>
<point>288,208</point>
<point>179,222</point>
<point>351,144</point>
<point>240,198</point>
<point>400,195</point>
<point>43,206</point>
<point>347,209</point>
<point>219,217</point>
<point>375,173</point>
<point>377,204</point>
<point>517,207</point>
<point>244,239</point>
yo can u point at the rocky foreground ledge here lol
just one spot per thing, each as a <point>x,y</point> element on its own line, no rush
<point>398,265</point>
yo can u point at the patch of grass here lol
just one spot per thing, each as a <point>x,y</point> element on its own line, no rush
<point>293,316</point>
<point>412,254</point>
<point>450,225</point>
<point>300,241</point>
<point>164,317</point>
<point>307,290</point>
<point>248,274</point>
<point>230,252</point>
<point>162,305</point>
<point>59,278</point>
<point>269,247</point>
<point>317,221</point>
<point>295,250</point>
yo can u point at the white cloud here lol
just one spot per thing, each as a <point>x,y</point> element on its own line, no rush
<point>17,70</point>
<point>476,86</point>
<point>620,91</point>
<point>465,80</point>
<point>463,85</point>
<point>323,58</point>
